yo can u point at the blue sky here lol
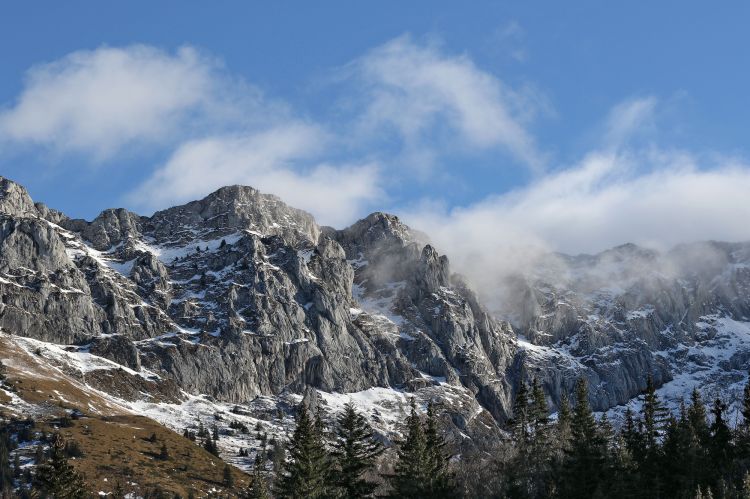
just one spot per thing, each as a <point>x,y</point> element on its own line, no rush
<point>571,125</point>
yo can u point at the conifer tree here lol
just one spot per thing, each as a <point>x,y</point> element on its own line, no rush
<point>654,417</point>
<point>584,461</point>
<point>227,476</point>
<point>307,472</point>
<point>520,423</point>
<point>721,448</point>
<point>6,474</point>
<point>562,428</point>
<point>412,467</point>
<point>539,414</point>
<point>440,480</point>
<point>57,478</point>
<point>258,487</point>
<point>164,452</point>
<point>743,432</point>
<point>696,415</point>
<point>355,452</point>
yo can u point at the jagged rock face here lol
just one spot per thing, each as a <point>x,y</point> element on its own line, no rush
<point>442,329</point>
<point>628,312</point>
<point>234,296</point>
<point>14,199</point>
<point>238,295</point>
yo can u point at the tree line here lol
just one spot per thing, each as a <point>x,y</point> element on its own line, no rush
<point>691,453</point>
<point>656,453</point>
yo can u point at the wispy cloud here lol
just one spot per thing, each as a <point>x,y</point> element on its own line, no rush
<point>269,160</point>
<point>100,100</point>
<point>432,99</point>
<point>649,195</point>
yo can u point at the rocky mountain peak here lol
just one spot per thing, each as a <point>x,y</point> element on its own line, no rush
<point>231,208</point>
<point>15,199</point>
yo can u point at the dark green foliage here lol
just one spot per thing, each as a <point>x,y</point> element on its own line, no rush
<point>421,467</point>
<point>258,486</point>
<point>228,478</point>
<point>164,452</point>
<point>584,463</point>
<point>57,478</point>
<point>306,474</point>
<point>210,446</point>
<point>6,473</point>
<point>355,452</point>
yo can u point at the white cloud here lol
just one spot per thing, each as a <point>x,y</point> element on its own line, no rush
<point>629,118</point>
<point>269,161</point>
<point>420,91</point>
<point>649,196</point>
<point>97,101</point>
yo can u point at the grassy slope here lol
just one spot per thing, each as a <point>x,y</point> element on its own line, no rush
<point>114,441</point>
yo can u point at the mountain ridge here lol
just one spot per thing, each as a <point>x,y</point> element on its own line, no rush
<point>238,296</point>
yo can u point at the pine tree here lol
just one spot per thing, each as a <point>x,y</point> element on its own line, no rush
<point>743,432</point>
<point>258,487</point>
<point>520,423</point>
<point>6,473</point>
<point>584,462</point>
<point>696,415</point>
<point>307,473</point>
<point>355,451</point>
<point>721,448</point>
<point>57,478</point>
<point>654,417</point>
<point>412,467</point>
<point>541,448</point>
<point>441,481</point>
<point>539,411</point>
<point>562,428</point>
<point>164,452</point>
<point>228,478</point>
<point>210,446</point>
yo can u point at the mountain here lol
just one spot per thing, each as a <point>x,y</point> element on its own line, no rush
<point>237,307</point>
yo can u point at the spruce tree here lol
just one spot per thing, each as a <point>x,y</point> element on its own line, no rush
<point>584,461</point>
<point>440,480</point>
<point>307,472</point>
<point>698,436</point>
<point>520,422</point>
<point>541,449</point>
<point>743,432</point>
<point>57,478</point>
<point>539,413</point>
<point>355,452</point>
<point>721,448</point>
<point>654,417</point>
<point>562,428</point>
<point>164,452</point>
<point>412,467</point>
<point>227,476</point>
<point>258,487</point>
<point>6,473</point>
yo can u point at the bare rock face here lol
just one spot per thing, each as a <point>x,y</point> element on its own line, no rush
<point>627,313</point>
<point>238,296</point>
<point>14,199</point>
<point>442,328</point>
